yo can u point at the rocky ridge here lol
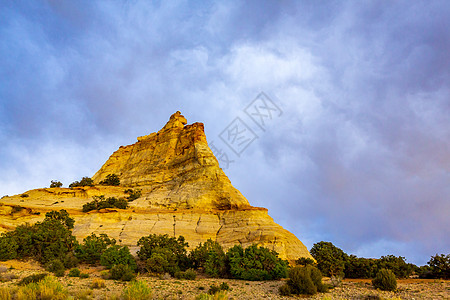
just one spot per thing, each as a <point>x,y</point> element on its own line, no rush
<point>184,192</point>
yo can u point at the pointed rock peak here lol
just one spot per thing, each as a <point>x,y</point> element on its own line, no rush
<point>177,120</point>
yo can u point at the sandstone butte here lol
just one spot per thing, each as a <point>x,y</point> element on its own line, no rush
<point>184,192</point>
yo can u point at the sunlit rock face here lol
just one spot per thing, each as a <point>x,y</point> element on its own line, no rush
<point>184,192</point>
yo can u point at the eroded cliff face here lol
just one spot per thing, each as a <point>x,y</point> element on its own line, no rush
<point>184,192</point>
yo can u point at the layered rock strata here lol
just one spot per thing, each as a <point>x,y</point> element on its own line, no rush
<point>184,192</point>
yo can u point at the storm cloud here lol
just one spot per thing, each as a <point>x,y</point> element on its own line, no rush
<point>360,155</point>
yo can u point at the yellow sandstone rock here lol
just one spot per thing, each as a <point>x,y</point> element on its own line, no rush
<point>184,192</point>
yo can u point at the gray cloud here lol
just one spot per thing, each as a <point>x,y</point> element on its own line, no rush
<point>359,156</point>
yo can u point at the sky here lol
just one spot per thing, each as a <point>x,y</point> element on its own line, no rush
<point>354,147</point>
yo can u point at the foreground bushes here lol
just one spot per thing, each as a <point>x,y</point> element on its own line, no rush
<point>303,280</point>
<point>210,258</point>
<point>385,280</point>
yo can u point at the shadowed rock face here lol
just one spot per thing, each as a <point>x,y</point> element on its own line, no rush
<point>184,192</point>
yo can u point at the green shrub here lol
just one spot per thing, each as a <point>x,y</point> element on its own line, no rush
<point>75,272</point>
<point>224,286</point>
<point>438,266</point>
<point>385,280</point>
<point>56,267</point>
<point>44,241</point>
<point>34,278</point>
<point>70,261</point>
<point>137,290</point>
<point>100,202</point>
<point>255,263</point>
<point>132,194</point>
<point>122,272</point>
<point>55,184</point>
<point>210,257</point>
<point>8,247</point>
<point>330,259</point>
<point>162,253</point>
<point>111,179</point>
<point>93,247</point>
<point>285,290</point>
<point>84,275</point>
<point>305,280</point>
<point>85,181</point>
<point>115,255</point>
<point>189,274</point>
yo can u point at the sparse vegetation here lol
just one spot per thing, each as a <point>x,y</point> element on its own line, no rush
<point>85,181</point>
<point>305,280</point>
<point>132,194</point>
<point>111,179</point>
<point>101,203</point>
<point>385,280</point>
<point>55,184</point>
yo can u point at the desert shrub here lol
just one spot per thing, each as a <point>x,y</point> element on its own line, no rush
<point>115,255</point>
<point>385,280</point>
<point>137,290</point>
<point>8,247</point>
<point>44,241</point>
<point>97,283</point>
<point>189,274</point>
<point>56,267</point>
<point>255,263</point>
<point>162,253</point>
<point>396,264</point>
<point>100,202</point>
<point>70,261</point>
<point>303,280</point>
<point>85,181</point>
<point>55,184</point>
<point>439,266</point>
<point>24,195</point>
<point>122,272</point>
<point>111,179</point>
<point>84,275</point>
<point>34,278</point>
<point>75,272</point>
<point>132,194</point>
<point>209,257</point>
<point>285,290</point>
<point>92,248</point>
<point>214,289</point>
